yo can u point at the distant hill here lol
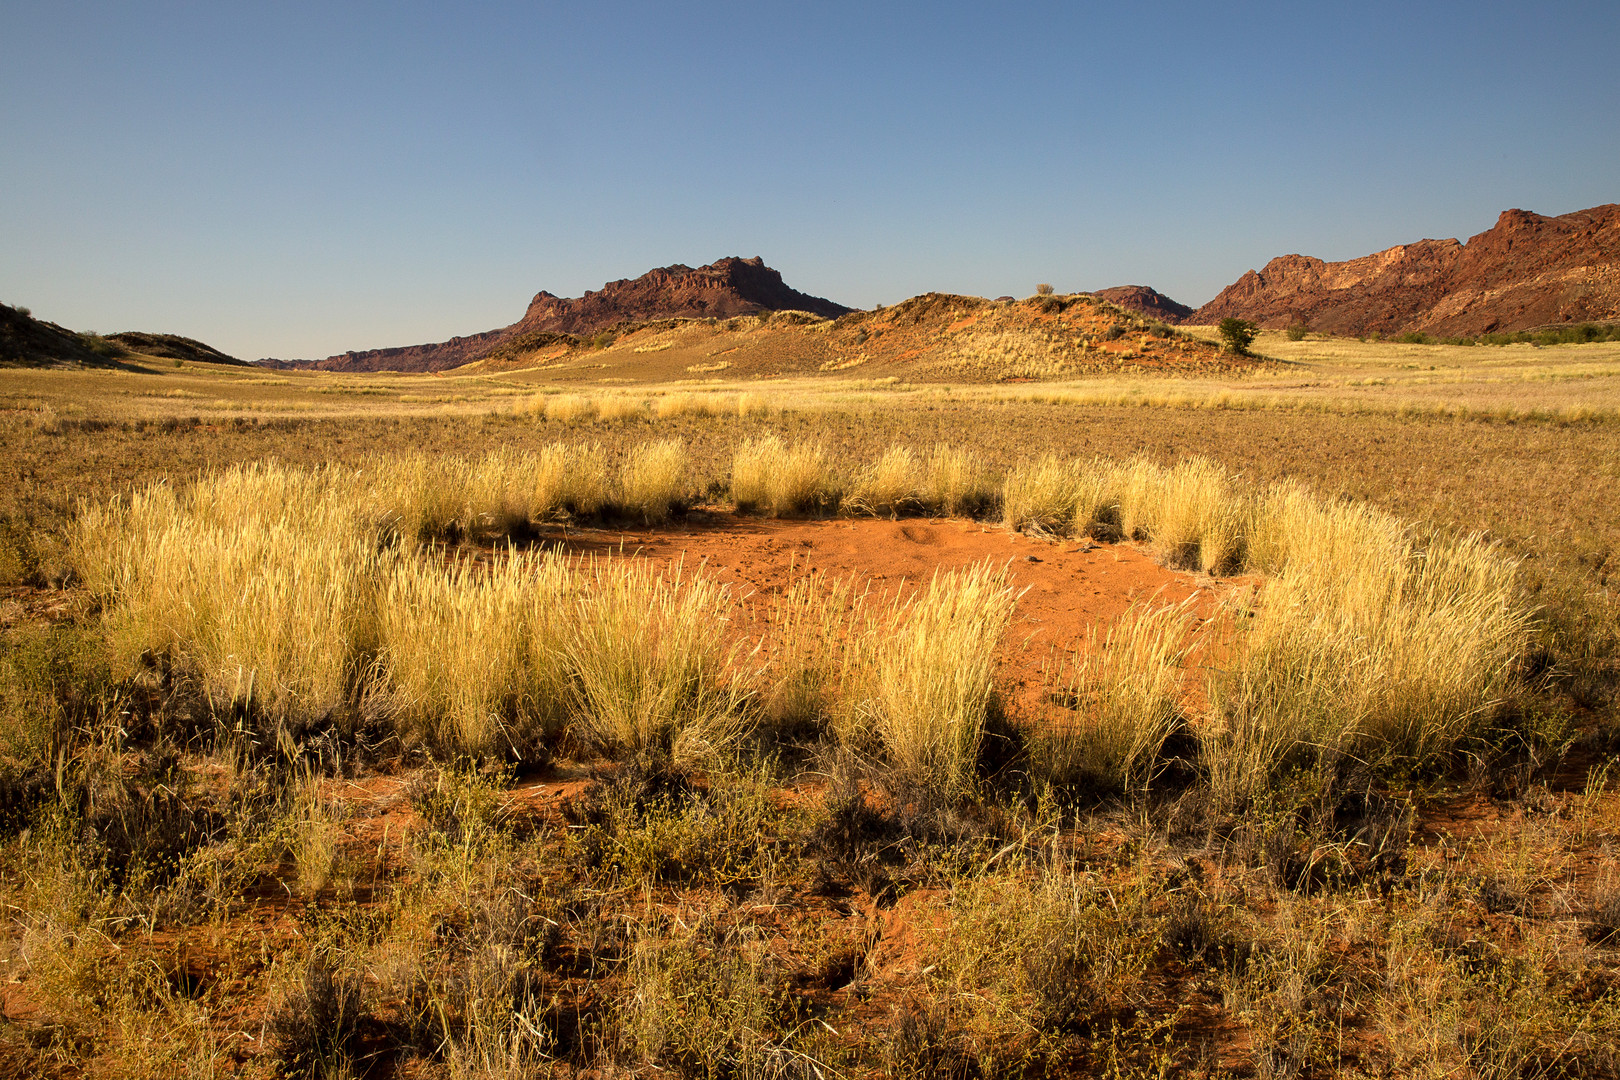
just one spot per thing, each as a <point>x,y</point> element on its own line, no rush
<point>29,342</point>
<point>1145,301</point>
<point>171,347</point>
<point>723,289</point>
<point>1527,271</point>
<point>936,337</point>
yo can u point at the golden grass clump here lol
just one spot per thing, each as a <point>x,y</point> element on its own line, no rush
<point>1190,512</point>
<point>1125,693</point>
<point>889,485</point>
<point>259,580</point>
<point>651,664</point>
<point>932,678</point>
<point>771,478</point>
<point>1038,497</point>
<point>473,656</point>
<point>620,407</point>
<point>435,496</point>
<point>670,406</point>
<point>815,629</point>
<point>1401,659</point>
<point>652,481</point>
<point>956,482</point>
<point>569,408</point>
<point>423,496</point>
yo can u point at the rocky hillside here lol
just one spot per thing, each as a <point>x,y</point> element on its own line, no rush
<point>1145,301</point>
<point>936,337</point>
<point>1527,271</point>
<point>721,290</point>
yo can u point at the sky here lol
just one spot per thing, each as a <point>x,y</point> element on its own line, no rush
<point>300,179</point>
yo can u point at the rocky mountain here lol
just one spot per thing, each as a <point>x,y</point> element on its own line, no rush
<point>1527,271</point>
<point>1145,301</point>
<point>725,288</point>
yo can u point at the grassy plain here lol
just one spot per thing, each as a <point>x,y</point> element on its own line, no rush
<point>306,773</point>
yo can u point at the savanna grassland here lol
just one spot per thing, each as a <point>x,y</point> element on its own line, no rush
<point>340,740</point>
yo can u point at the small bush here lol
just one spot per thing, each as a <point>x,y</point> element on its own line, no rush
<point>1297,332</point>
<point>706,1003</point>
<point>314,1027</point>
<point>1237,334</point>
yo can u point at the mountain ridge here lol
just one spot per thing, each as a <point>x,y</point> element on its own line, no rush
<point>1526,271</point>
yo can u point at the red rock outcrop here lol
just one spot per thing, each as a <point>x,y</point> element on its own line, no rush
<point>1145,301</point>
<point>727,287</point>
<point>1526,271</point>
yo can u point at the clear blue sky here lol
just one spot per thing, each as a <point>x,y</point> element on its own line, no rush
<point>297,179</point>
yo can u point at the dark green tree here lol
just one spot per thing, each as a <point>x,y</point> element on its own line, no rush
<point>1238,334</point>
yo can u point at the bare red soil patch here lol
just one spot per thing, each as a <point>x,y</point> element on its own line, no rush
<point>1067,590</point>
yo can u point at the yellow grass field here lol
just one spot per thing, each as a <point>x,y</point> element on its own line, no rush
<point>543,722</point>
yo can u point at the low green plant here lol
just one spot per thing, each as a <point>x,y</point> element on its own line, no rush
<point>707,1002</point>
<point>1237,334</point>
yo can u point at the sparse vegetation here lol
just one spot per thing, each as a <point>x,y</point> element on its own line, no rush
<point>347,761</point>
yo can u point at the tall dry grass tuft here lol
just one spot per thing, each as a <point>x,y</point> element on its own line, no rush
<point>890,485</point>
<point>1054,497</point>
<point>780,481</point>
<point>473,656</point>
<point>956,482</point>
<point>1398,660</point>
<point>419,496</point>
<point>652,481</point>
<point>932,678</point>
<point>426,497</point>
<point>569,408</point>
<point>1191,512</point>
<point>259,580</point>
<point>671,406</point>
<point>620,407</point>
<point>651,664</point>
<point>1125,693</point>
<point>1038,497</point>
<point>812,626</point>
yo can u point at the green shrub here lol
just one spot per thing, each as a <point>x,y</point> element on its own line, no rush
<point>1237,334</point>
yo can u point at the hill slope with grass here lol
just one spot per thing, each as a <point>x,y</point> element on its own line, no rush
<point>1527,271</point>
<point>29,342</point>
<point>172,347</point>
<point>723,289</point>
<point>936,337</point>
